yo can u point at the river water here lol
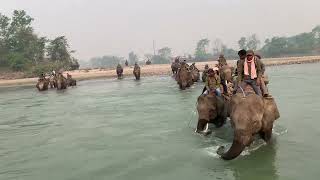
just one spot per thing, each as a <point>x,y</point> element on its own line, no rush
<point>111,129</point>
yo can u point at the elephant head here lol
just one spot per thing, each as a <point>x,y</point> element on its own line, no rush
<point>250,115</point>
<point>211,109</point>
<point>195,75</point>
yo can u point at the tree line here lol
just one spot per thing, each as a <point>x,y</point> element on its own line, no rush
<point>21,49</point>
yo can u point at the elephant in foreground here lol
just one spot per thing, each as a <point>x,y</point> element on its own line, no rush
<point>211,109</point>
<point>61,82</point>
<point>184,77</point>
<point>43,84</point>
<point>137,72</point>
<point>249,115</point>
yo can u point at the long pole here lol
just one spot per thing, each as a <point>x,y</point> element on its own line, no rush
<point>154,49</point>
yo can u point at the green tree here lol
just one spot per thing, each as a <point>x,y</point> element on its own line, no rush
<point>133,58</point>
<point>165,52</point>
<point>253,42</point>
<point>242,43</point>
<point>58,50</point>
<point>201,52</point>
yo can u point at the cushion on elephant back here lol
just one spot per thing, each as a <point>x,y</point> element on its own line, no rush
<point>246,89</point>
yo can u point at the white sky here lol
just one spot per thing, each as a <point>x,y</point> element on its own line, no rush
<point>116,27</point>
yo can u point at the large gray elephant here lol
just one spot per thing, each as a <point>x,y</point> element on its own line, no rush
<point>250,115</point>
<point>184,77</point>
<point>211,109</point>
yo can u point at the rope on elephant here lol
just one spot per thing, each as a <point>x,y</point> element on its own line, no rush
<point>192,115</point>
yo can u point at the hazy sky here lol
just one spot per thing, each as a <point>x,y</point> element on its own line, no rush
<point>116,27</point>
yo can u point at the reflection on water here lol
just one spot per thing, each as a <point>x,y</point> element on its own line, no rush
<point>127,129</point>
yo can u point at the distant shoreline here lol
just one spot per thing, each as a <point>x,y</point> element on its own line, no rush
<point>151,70</point>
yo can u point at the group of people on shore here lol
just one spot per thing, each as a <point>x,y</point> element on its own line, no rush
<point>249,70</point>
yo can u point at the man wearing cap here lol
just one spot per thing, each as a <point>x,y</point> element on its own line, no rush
<point>250,71</point>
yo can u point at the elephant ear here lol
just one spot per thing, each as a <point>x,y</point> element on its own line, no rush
<point>271,111</point>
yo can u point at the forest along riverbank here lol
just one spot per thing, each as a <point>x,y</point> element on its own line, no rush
<point>156,69</point>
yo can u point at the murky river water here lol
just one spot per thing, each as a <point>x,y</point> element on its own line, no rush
<point>110,129</point>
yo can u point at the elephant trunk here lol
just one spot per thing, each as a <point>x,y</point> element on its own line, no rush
<point>234,151</point>
<point>238,145</point>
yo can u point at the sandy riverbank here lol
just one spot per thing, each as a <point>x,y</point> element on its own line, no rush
<point>158,69</point>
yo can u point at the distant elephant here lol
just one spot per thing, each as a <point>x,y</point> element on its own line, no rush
<point>250,115</point>
<point>211,109</point>
<point>42,84</point>
<point>61,82</point>
<point>119,71</point>
<point>175,67</point>
<point>136,72</point>
<point>184,77</point>
<point>53,81</point>
<point>195,75</point>
<point>71,81</point>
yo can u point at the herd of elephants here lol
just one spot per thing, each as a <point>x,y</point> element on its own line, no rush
<point>249,112</point>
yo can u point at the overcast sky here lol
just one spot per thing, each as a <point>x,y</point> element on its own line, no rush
<point>116,27</point>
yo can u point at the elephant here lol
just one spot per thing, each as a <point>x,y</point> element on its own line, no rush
<point>195,75</point>
<point>61,82</point>
<point>53,81</point>
<point>42,84</point>
<point>211,109</point>
<point>137,71</point>
<point>175,67</point>
<point>148,62</point>
<point>250,114</point>
<point>119,71</point>
<point>184,77</point>
<point>71,81</point>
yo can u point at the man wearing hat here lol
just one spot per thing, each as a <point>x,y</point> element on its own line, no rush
<point>250,71</point>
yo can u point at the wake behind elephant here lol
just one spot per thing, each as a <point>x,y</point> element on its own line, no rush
<point>250,114</point>
<point>137,71</point>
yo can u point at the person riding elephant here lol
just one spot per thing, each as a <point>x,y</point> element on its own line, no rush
<point>61,82</point>
<point>221,61</point>
<point>250,72</point>
<point>70,80</point>
<point>213,83</point>
<point>126,63</point>
<point>249,115</point>
<point>205,73</point>
<point>119,71</point>
<point>136,71</point>
<point>195,72</point>
<point>184,76</point>
<point>175,66</point>
<point>148,62</point>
